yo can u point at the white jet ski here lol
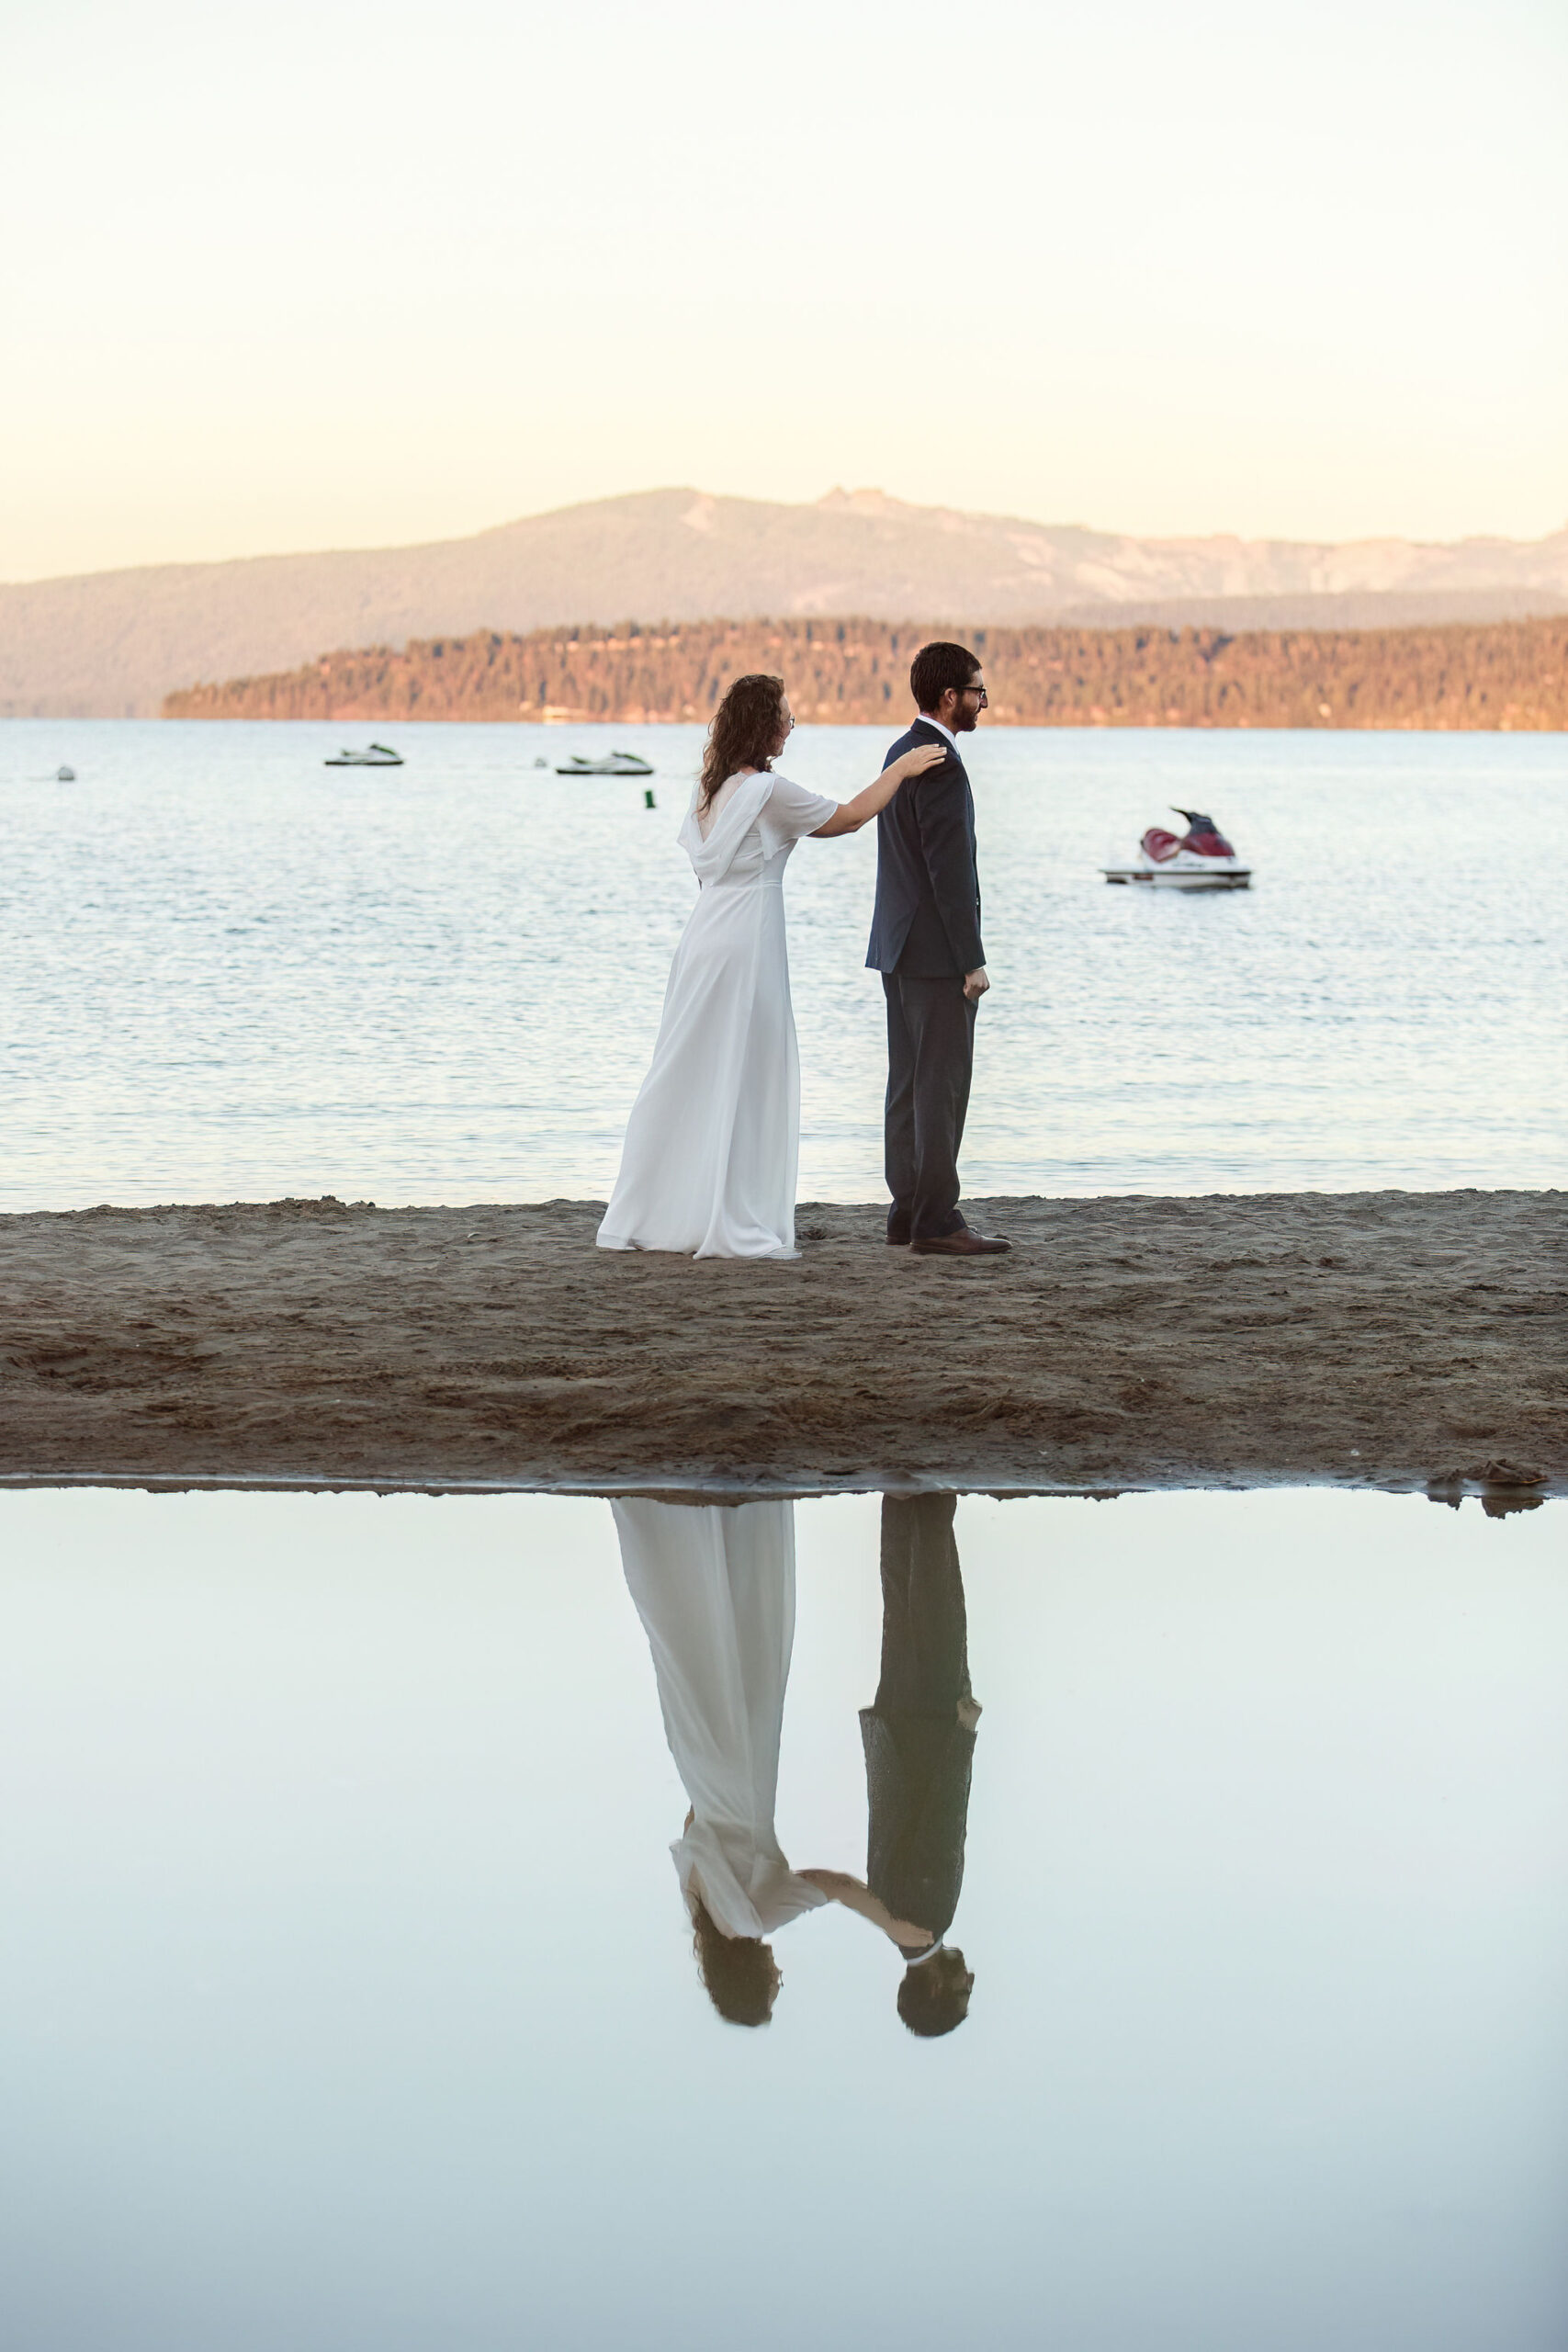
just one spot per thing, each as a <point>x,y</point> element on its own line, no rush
<point>616,763</point>
<point>378,755</point>
<point>1199,859</point>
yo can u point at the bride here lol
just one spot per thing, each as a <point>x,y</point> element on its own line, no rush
<point>714,1139</point>
<point>714,1585</point>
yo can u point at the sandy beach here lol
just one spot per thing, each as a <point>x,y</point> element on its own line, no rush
<point>1384,1338</point>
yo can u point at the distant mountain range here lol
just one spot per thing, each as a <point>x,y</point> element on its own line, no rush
<point>114,643</point>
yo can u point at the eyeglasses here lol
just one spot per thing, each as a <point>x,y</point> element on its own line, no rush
<point>985,698</point>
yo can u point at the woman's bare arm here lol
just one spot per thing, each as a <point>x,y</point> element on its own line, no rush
<point>851,814</point>
<point>855,1896</point>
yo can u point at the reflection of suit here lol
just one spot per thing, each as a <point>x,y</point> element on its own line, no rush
<point>917,1754</point>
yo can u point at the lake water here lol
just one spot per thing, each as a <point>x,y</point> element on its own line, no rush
<point>347,2000</point>
<point>229,972</point>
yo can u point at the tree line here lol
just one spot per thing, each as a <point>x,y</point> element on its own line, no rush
<point>1503,674</point>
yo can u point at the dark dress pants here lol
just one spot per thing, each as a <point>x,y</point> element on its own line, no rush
<point>919,1747</point>
<point>931,1057</point>
<point>925,1634</point>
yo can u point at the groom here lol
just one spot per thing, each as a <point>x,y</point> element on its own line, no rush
<point>919,1736</point>
<point>925,942</point>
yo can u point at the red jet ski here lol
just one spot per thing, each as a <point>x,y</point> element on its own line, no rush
<point>1199,859</point>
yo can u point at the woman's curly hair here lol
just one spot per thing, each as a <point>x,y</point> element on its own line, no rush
<point>739,1972</point>
<point>744,733</point>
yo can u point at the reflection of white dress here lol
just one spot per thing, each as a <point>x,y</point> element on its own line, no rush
<point>714,1139</point>
<point>714,1590</point>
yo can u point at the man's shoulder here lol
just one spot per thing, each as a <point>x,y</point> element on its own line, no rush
<point>906,743</point>
<point>923,732</point>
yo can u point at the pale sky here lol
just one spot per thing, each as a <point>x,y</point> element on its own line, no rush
<point>333,275</point>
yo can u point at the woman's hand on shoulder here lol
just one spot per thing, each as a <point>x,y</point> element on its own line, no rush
<point>853,814</point>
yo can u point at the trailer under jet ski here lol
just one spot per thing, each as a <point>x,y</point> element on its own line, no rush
<point>1199,859</point>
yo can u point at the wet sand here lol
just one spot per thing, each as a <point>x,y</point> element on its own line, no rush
<point>1385,1339</point>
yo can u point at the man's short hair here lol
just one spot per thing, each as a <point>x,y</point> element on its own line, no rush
<point>931,2004</point>
<point>937,667</point>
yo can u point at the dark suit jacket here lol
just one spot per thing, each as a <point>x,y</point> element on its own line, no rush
<point>916,1774</point>
<point>927,922</point>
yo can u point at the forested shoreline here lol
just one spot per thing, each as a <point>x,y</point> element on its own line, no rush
<point>1503,674</point>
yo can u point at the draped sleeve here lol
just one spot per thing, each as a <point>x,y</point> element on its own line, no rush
<point>790,811</point>
<point>735,817</point>
<point>748,1890</point>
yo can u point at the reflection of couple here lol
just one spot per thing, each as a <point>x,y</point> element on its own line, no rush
<point>714,1140</point>
<point>715,1589</point>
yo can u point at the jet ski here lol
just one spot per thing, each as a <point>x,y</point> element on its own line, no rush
<point>1199,859</point>
<point>378,755</point>
<point>616,763</point>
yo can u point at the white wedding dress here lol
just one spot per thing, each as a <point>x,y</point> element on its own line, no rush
<point>712,1142</point>
<point>715,1589</point>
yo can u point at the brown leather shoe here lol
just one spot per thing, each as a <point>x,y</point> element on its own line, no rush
<point>962,1244</point>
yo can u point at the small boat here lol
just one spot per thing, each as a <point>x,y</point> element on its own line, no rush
<point>377,755</point>
<point>617,763</point>
<point>64,775</point>
<point>1199,859</point>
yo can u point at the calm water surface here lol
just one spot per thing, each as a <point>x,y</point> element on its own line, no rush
<point>229,972</point>
<point>347,2001</point>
